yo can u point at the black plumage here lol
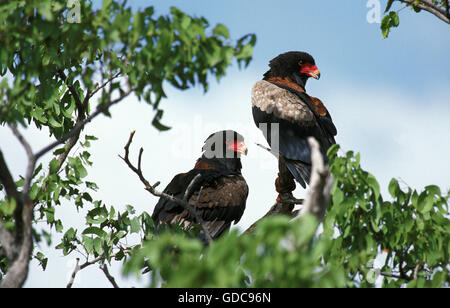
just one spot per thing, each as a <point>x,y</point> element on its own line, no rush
<point>281,98</point>
<point>223,190</point>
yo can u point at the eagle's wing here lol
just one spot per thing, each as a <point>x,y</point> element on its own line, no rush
<point>298,116</point>
<point>221,202</point>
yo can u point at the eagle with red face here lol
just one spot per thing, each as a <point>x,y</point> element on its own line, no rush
<point>219,195</point>
<point>287,116</point>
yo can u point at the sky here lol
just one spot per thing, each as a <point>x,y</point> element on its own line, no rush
<point>389,99</point>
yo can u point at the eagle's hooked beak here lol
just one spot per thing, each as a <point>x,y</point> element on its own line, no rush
<point>242,148</point>
<point>315,74</point>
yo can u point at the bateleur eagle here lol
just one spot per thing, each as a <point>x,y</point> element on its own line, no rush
<point>223,191</point>
<point>281,98</point>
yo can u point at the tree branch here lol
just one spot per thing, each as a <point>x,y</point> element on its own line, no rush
<point>31,164</point>
<point>79,267</point>
<point>7,241</point>
<point>77,128</point>
<point>429,6</point>
<point>18,269</point>
<point>103,85</point>
<point>74,274</point>
<point>19,251</point>
<point>7,181</point>
<point>111,279</point>
<point>320,184</point>
<point>151,189</point>
<point>319,191</point>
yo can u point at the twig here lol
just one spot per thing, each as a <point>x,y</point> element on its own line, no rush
<point>429,6</point>
<point>103,85</point>
<point>111,279</point>
<point>151,188</point>
<point>86,264</point>
<point>416,271</point>
<point>267,149</point>
<point>31,163</point>
<point>22,140</point>
<point>74,274</point>
<point>188,192</point>
<point>396,276</point>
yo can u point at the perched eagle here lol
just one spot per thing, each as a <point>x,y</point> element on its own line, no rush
<point>281,99</point>
<point>223,190</point>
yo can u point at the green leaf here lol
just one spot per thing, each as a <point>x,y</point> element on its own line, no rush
<point>156,122</point>
<point>394,19</point>
<point>385,26</point>
<point>135,225</point>
<point>42,260</point>
<point>7,206</point>
<point>59,151</point>
<point>393,187</point>
<point>94,230</point>
<point>433,189</point>
<point>221,30</point>
<point>373,183</point>
<point>90,137</point>
<point>428,206</point>
<point>54,165</point>
<point>337,197</point>
<point>332,151</point>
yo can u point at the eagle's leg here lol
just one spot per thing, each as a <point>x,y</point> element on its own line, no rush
<point>284,183</point>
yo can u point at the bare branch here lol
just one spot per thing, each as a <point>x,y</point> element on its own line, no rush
<point>188,191</point>
<point>31,163</point>
<point>320,184</point>
<point>18,269</point>
<point>267,149</point>
<point>22,140</point>
<point>7,241</point>
<point>111,279</point>
<point>74,274</point>
<point>151,189</point>
<point>103,85</point>
<point>7,181</point>
<point>416,271</point>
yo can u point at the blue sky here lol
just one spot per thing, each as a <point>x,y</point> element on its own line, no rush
<point>390,100</point>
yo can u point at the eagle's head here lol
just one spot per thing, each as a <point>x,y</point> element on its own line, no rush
<point>225,144</point>
<point>296,65</point>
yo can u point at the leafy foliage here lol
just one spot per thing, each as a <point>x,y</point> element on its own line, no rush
<point>412,229</point>
<point>40,48</point>
<point>439,8</point>
<point>50,70</point>
<point>278,254</point>
<point>58,69</point>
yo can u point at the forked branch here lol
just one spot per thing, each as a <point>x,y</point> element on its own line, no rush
<point>152,188</point>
